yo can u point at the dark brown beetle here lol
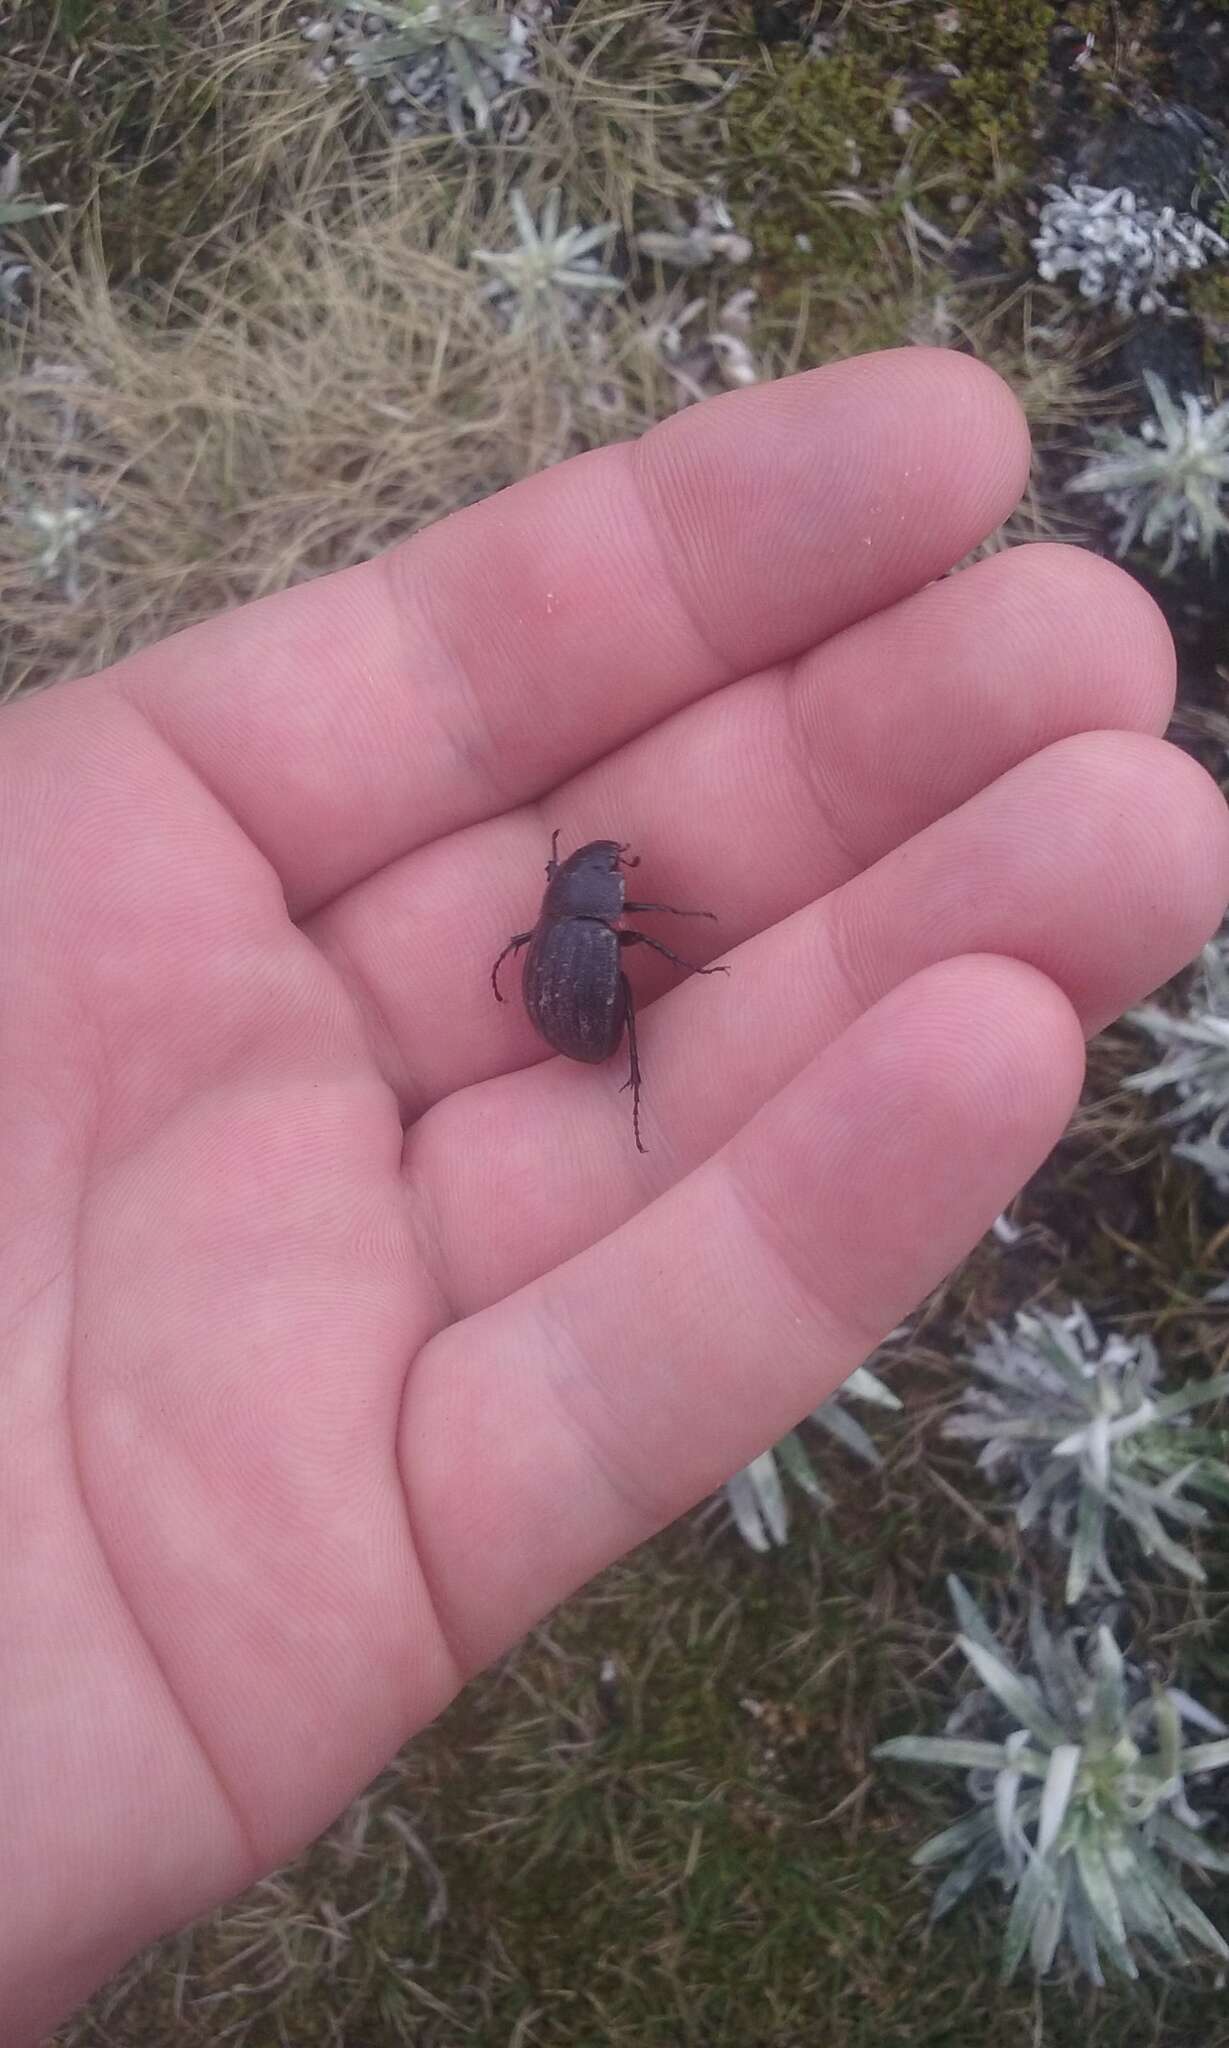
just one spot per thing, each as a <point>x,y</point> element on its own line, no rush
<point>576,992</point>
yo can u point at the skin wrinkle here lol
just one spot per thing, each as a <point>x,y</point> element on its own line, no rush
<point>570,1375</point>
<point>461,1664</point>
<point>809,761</point>
<point>832,938</point>
<point>417,1105</point>
<point>427,1236</point>
<point>389,1056</point>
<point>668,551</point>
<point>147,719</point>
<point>775,1247</point>
<point>477,754</point>
<point>254,1863</point>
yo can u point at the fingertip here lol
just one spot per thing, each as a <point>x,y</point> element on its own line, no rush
<point>990,414</point>
<point>991,1041</point>
<point>887,1159</point>
<point>1098,619</point>
<point>855,483</point>
<point>1190,828</point>
<point>1002,1037</point>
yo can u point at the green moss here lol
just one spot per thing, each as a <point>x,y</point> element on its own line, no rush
<point>822,170</point>
<point>800,128</point>
<point>1002,48</point>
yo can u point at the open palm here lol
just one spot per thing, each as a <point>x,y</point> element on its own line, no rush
<point>346,1331</point>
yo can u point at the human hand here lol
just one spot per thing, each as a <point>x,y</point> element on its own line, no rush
<point>345,1331</point>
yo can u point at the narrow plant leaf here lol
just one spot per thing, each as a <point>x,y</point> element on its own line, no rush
<point>1099,1886</point>
<point>1087,1547</point>
<point>947,1749</point>
<point>864,1385</point>
<point>1205,1756</point>
<point>1056,1793</point>
<point>792,1453</point>
<point>849,1432</point>
<point>970,1618</point>
<point>1186,1845</point>
<point>1017,1696</point>
<point>745,1505</point>
<point>975,1831</point>
<point>1182,1908</point>
<point>1025,1908</point>
<point>1193,1396</point>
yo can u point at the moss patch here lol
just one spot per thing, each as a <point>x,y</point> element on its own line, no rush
<point>828,140</point>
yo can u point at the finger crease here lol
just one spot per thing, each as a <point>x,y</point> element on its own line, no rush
<point>255,1861</point>
<point>840,1335</point>
<point>575,1387</point>
<point>656,516</point>
<point>810,758</point>
<point>471,739</point>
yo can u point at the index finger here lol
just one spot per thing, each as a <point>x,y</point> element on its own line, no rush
<point>348,721</point>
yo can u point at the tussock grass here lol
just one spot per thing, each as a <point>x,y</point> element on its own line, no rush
<point>318,375</point>
<point>339,383</point>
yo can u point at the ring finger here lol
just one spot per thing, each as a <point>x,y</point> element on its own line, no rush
<point>1103,862</point>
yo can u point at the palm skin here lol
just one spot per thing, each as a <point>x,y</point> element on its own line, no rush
<point>346,1332</point>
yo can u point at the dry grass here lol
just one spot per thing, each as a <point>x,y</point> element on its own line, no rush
<point>339,383</point>
<point>319,374</point>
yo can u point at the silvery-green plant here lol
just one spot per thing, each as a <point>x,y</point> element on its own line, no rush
<point>688,245</point>
<point>54,532</point>
<point>1119,248</point>
<point>1079,1777</point>
<point>14,211</point>
<point>1083,1427</point>
<point>1168,485</point>
<point>451,64</point>
<point>1195,1064</point>
<point>756,1495</point>
<point>551,271</point>
<point>705,352</point>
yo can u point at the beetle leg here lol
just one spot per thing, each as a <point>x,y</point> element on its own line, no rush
<point>513,946</point>
<point>553,862</point>
<point>643,939</point>
<point>633,1079</point>
<point>672,910</point>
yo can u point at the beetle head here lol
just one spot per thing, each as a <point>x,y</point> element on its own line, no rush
<point>598,857</point>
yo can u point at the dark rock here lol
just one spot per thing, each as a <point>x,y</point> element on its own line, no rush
<point>1166,155</point>
<point>1192,39</point>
